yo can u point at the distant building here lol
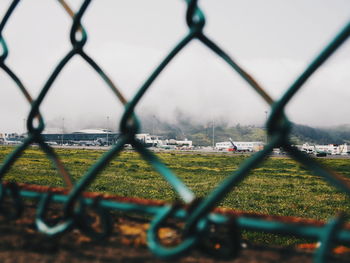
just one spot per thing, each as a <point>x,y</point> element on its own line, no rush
<point>11,138</point>
<point>157,141</point>
<point>240,146</point>
<point>184,143</point>
<point>331,149</point>
<point>83,137</point>
<point>179,144</point>
<point>147,139</point>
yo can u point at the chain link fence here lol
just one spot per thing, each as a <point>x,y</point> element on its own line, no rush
<point>199,217</point>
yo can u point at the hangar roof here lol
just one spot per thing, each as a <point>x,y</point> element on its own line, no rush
<point>93,131</point>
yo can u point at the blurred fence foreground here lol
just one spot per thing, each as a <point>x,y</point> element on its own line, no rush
<point>201,225</point>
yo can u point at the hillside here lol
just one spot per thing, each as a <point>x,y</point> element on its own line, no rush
<point>202,134</point>
<point>336,135</point>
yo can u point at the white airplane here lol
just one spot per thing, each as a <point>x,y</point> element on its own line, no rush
<point>11,142</point>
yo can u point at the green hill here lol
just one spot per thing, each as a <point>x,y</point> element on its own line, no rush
<point>202,134</point>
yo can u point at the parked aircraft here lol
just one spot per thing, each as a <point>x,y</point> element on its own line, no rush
<point>312,149</point>
<point>11,142</point>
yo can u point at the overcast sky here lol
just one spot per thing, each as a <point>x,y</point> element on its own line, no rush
<point>272,40</point>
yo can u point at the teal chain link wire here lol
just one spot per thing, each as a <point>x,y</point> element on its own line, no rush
<point>199,218</point>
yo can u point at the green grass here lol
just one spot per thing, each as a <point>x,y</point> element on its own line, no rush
<point>279,186</point>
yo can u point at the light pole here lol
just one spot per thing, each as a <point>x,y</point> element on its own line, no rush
<point>153,120</point>
<point>266,126</point>
<point>213,134</point>
<point>107,130</point>
<point>62,131</point>
<point>24,126</point>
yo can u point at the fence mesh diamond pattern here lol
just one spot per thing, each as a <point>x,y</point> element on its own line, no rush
<point>200,217</point>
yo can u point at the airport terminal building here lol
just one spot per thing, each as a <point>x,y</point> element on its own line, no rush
<point>83,137</point>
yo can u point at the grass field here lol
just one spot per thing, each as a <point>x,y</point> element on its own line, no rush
<point>279,186</point>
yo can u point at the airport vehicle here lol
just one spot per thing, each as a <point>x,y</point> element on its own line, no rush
<point>314,150</point>
<point>319,153</point>
<point>234,147</point>
<point>242,146</point>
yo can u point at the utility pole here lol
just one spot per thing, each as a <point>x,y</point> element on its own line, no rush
<point>153,123</point>
<point>213,134</point>
<point>24,126</point>
<point>266,126</point>
<point>62,131</point>
<point>107,130</point>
